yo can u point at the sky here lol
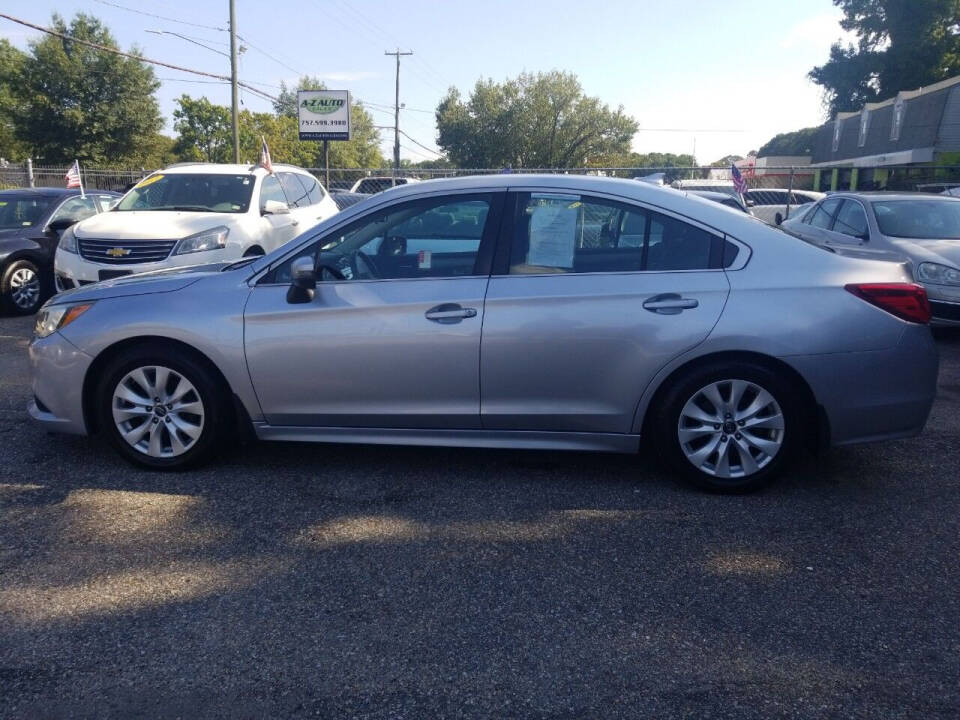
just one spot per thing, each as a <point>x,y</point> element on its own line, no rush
<point>721,77</point>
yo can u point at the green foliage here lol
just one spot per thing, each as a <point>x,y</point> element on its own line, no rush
<point>726,161</point>
<point>799,142</point>
<point>901,45</point>
<point>11,63</point>
<point>73,101</point>
<point>537,120</point>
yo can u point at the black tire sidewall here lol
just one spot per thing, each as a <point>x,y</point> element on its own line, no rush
<point>5,279</point>
<point>216,413</point>
<point>668,417</point>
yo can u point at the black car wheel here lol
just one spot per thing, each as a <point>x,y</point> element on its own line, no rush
<point>21,287</point>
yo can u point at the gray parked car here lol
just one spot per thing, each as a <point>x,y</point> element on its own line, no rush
<point>552,312</point>
<point>920,230</point>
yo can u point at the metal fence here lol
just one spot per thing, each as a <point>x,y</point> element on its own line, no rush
<point>902,178</point>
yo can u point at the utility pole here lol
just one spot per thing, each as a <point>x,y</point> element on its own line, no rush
<point>396,115</point>
<point>233,81</point>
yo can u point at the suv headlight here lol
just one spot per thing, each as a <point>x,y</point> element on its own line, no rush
<point>938,274</point>
<point>212,239</point>
<point>53,318</point>
<point>68,241</point>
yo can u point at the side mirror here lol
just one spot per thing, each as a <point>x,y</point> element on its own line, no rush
<point>750,203</point>
<point>275,207</point>
<point>61,224</point>
<point>303,281</point>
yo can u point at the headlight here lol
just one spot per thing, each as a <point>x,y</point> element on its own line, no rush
<point>68,241</point>
<point>212,239</point>
<point>55,317</point>
<point>938,274</point>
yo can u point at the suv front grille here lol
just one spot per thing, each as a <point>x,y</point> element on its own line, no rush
<point>125,252</point>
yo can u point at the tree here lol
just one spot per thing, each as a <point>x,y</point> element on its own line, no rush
<point>726,161</point>
<point>204,130</point>
<point>361,151</point>
<point>901,45</point>
<point>799,142</point>
<point>11,63</point>
<point>542,120</point>
<point>74,101</point>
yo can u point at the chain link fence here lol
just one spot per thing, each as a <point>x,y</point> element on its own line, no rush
<point>916,178</point>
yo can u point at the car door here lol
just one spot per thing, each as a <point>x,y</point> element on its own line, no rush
<point>595,296</point>
<point>276,229</point>
<point>392,336</point>
<point>74,208</point>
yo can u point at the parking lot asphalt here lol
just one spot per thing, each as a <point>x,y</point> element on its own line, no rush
<point>351,581</point>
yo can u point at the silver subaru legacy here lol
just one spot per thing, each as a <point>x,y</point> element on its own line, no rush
<point>551,312</point>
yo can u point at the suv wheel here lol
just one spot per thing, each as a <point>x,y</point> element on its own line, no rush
<point>729,428</point>
<point>160,410</point>
<point>21,288</point>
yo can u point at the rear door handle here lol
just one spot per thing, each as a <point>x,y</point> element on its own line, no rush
<point>449,313</point>
<point>670,304</point>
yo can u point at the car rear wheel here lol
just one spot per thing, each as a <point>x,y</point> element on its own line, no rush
<point>162,411</point>
<point>21,287</point>
<point>729,428</point>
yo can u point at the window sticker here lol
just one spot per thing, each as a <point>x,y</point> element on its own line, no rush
<point>423,259</point>
<point>148,181</point>
<point>553,230</point>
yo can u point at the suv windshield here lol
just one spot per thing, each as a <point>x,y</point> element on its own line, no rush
<point>21,212</point>
<point>927,218</point>
<point>191,192</point>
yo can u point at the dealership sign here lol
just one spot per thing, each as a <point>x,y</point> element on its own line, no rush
<point>324,114</point>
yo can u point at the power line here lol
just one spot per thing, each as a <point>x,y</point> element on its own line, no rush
<point>271,57</point>
<point>417,142</point>
<point>138,58</point>
<point>188,39</point>
<point>159,17</point>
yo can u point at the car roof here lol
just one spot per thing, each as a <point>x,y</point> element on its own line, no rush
<point>41,192</point>
<point>711,194</point>
<point>227,169</point>
<point>885,195</point>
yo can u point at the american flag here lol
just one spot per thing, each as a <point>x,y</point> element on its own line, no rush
<point>73,176</point>
<point>265,156</point>
<point>739,184</point>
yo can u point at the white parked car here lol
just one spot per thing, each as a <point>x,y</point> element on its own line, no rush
<point>192,214</point>
<point>771,205</point>
<point>371,185</point>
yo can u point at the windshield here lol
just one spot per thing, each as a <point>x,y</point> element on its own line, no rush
<point>926,218</point>
<point>21,212</point>
<point>190,192</point>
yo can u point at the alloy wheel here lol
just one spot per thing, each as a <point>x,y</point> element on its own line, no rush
<point>731,429</point>
<point>24,288</point>
<point>158,411</point>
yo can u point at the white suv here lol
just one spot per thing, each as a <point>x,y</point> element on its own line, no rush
<point>192,214</point>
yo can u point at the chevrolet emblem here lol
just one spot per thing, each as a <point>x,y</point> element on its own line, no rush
<point>118,252</point>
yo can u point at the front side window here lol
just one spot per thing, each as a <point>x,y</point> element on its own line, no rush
<point>271,190</point>
<point>190,192</point>
<point>21,212</point>
<point>567,233</point>
<point>437,237</point>
<point>851,220</point>
<point>822,215</point>
<point>78,208</point>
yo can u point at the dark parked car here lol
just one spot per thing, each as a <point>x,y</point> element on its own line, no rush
<point>31,221</point>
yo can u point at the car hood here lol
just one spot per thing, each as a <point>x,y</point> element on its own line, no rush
<point>157,281</point>
<point>150,225</point>
<point>945,252</point>
<point>12,232</point>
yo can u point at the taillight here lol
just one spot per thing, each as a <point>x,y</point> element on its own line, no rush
<point>905,300</point>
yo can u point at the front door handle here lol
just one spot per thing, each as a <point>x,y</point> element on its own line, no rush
<point>449,313</point>
<point>670,304</point>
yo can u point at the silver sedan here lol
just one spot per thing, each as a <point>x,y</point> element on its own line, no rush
<point>552,312</point>
<point>920,230</point>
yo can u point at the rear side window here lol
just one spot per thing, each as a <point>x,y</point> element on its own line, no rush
<point>568,233</point>
<point>294,190</point>
<point>851,220</point>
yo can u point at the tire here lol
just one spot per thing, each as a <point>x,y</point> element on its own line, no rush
<point>183,430</point>
<point>255,251</point>
<point>22,287</point>
<point>711,445</point>
<point>779,218</point>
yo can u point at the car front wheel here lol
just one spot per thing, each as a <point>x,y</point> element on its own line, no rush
<point>730,428</point>
<point>162,411</point>
<point>21,287</point>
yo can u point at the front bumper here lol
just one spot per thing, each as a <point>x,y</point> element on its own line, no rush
<point>944,304</point>
<point>58,369</point>
<point>71,270</point>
